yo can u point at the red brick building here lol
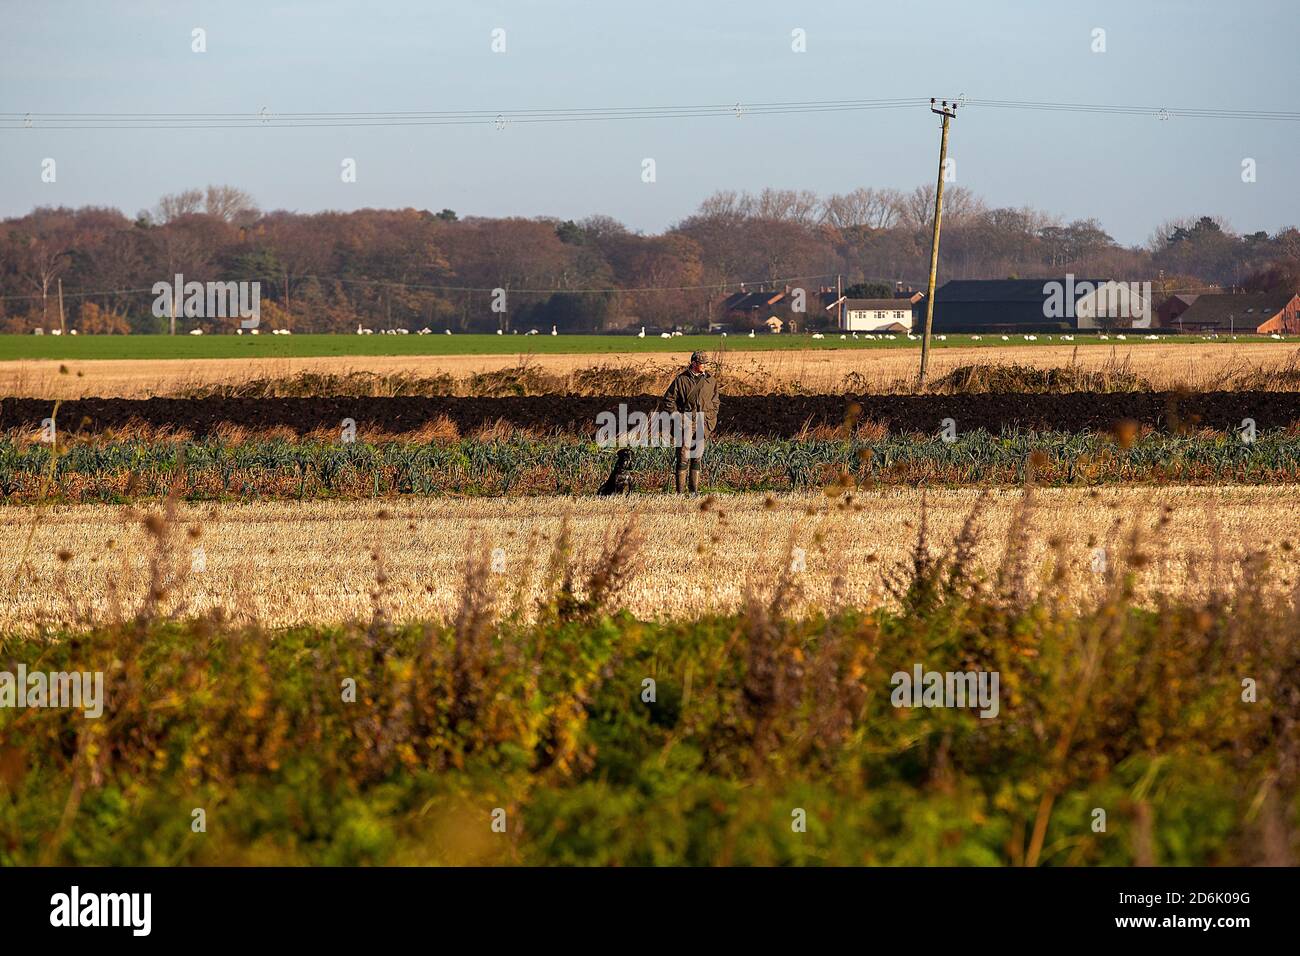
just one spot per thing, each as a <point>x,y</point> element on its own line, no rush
<point>1243,313</point>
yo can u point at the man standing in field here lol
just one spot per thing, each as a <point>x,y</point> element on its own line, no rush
<point>693,395</point>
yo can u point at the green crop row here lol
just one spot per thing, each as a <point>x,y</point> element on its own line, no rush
<point>213,469</point>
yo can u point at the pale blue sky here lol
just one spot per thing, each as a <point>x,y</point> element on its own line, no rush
<point>1131,172</point>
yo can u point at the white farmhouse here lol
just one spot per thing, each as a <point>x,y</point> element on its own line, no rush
<point>877,315</point>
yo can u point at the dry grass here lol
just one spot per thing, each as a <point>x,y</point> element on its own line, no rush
<point>288,563</point>
<point>1163,365</point>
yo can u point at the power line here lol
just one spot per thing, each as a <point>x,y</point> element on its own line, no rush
<point>1158,112</point>
<point>500,118</point>
<point>265,118</point>
<point>348,280</point>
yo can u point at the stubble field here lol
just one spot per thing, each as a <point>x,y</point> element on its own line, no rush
<point>299,563</point>
<point>811,370</point>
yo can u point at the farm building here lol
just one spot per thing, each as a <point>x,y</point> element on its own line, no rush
<point>1171,309</point>
<point>758,309</point>
<point>1034,305</point>
<point>752,307</point>
<point>1243,312</point>
<point>877,315</point>
<point>1114,305</point>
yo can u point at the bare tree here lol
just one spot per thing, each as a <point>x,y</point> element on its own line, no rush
<point>960,206</point>
<point>873,208</point>
<point>175,205</point>
<point>726,206</point>
<point>787,205</point>
<point>183,250</point>
<point>45,263</point>
<point>230,204</point>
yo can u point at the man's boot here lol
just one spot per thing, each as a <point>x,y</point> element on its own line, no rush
<point>694,480</point>
<point>681,481</point>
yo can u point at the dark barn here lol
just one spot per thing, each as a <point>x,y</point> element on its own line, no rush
<point>999,305</point>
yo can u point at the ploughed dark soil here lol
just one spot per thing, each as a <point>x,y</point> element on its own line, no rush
<point>761,415</point>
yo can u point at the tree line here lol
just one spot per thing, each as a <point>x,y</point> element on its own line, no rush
<point>415,268</point>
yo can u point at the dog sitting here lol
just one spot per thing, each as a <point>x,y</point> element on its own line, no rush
<point>619,481</point>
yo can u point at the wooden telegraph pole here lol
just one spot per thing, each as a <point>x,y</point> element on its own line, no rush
<point>948,112</point>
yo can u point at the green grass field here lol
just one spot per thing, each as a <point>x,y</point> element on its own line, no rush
<point>86,347</point>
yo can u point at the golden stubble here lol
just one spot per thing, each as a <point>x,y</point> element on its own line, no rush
<point>288,563</point>
<point>1164,365</point>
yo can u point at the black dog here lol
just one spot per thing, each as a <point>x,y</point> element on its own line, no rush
<point>619,481</point>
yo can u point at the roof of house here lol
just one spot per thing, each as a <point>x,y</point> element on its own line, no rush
<point>746,301</point>
<point>1226,309</point>
<point>892,305</point>
<point>1007,290</point>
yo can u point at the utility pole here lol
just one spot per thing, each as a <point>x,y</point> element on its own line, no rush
<point>63,327</point>
<point>948,112</point>
<point>839,299</point>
